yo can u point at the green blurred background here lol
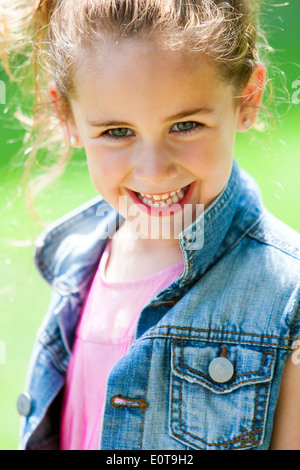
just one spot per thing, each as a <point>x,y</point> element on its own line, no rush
<point>272,157</point>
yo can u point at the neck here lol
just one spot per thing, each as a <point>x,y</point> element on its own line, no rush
<point>142,243</point>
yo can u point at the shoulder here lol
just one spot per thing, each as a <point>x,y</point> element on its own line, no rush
<point>264,236</point>
<point>277,248</point>
<point>277,235</point>
<point>71,245</point>
<point>266,265</point>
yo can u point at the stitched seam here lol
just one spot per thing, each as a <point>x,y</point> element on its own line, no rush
<point>243,235</point>
<point>43,337</point>
<point>53,352</point>
<point>185,440</point>
<point>226,197</point>
<point>272,238</point>
<point>234,377</point>
<point>146,391</point>
<point>220,331</point>
<point>217,331</point>
<point>261,369</point>
<point>265,404</point>
<point>242,438</point>
<point>171,301</point>
<point>247,439</point>
<point>255,410</point>
<point>191,264</point>
<point>78,217</point>
<point>182,439</point>
<point>295,319</point>
<point>275,242</point>
<point>172,401</point>
<point>215,210</point>
<point>180,405</point>
<point>50,277</point>
<point>222,340</point>
<point>58,227</point>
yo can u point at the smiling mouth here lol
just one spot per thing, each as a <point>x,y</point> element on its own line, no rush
<point>164,199</point>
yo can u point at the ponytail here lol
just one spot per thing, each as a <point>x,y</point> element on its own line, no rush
<point>24,26</point>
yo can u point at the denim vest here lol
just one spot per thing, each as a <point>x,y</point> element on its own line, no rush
<point>235,308</point>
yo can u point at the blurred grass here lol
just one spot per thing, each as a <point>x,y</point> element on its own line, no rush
<point>273,159</point>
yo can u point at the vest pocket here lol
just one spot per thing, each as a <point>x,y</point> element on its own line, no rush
<point>211,415</point>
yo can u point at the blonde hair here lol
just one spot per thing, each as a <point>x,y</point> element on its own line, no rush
<point>51,35</point>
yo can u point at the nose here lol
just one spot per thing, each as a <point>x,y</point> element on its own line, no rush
<point>154,165</point>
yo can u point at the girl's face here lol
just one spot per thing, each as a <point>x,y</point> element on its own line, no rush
<point>153,122</point>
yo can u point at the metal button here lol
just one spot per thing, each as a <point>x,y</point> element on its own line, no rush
<point>220,370</point>
<point>24,404</point>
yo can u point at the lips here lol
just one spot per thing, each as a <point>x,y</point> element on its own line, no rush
<point>163,204</point>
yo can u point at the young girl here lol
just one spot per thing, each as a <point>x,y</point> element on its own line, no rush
<point>176,294</point>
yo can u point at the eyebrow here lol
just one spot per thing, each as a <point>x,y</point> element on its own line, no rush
<point>183,114</point>
<point>190,112</point>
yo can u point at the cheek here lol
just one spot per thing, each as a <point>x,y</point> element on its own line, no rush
<point>106,169</point>
<point>204,156</point>
<point>211,161</point>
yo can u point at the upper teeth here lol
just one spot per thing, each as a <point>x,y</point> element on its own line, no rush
<point>165,199</point>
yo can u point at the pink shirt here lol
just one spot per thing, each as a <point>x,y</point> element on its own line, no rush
<point>104,334</point>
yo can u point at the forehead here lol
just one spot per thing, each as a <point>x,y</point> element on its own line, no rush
<point>134,74</point>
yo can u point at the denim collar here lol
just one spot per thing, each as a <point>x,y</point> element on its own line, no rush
<point>220,227</point>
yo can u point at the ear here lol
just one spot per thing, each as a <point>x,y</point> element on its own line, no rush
<point>251,98</point>
<point>68,124</point>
